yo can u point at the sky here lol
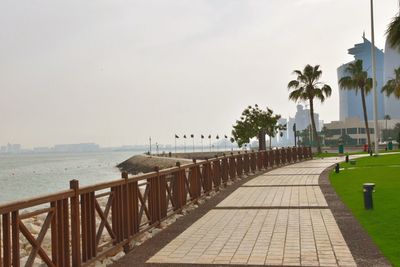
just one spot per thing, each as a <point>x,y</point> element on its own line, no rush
<point>118,72</point>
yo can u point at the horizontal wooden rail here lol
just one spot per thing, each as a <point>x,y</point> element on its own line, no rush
<point>87,223</point>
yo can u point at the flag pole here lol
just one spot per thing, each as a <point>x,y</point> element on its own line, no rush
<point>150,145</point>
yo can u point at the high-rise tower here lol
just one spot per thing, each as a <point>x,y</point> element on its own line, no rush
<point>350,102</point>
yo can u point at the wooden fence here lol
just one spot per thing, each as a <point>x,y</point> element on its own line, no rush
<point>84,224</point>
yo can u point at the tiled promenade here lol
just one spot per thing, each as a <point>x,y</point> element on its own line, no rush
<point>279,218</point>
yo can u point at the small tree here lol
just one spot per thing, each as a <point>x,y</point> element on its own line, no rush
<point>255,122</point>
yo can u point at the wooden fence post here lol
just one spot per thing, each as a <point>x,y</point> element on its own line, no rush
<point>15,238</point>
<point>260,160</point>
<point>283,156</point>
<point>246,163</point>
<point>265,160</point>
<point>277,157</point>
<point>216,171</point>
<point>127,209</point>
<point>225,170</point>
<point>207,180</point>
<point>232,167</point>
<point>239,165</point>
<point>154,201</point>
<point>75,225</point>
<point>194,182</point>
<point>253,162</point>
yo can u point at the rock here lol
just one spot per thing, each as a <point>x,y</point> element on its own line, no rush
<point>143,164</point>
<point>163,225</point>
<point>37,262</point>
<point>144,237</point>
<point>107,261</point>
<point>118,256</point>
<point>155,231</point>
<point>99,264</point>
<point>134,243</point>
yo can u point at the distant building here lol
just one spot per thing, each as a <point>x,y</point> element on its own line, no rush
<point>391,62</point>
<point>41,149</point>
<point>302,121</point>
<point>84,147</point>
<point>353,131</point>
<point>13,148</point>
<point>350,104</point>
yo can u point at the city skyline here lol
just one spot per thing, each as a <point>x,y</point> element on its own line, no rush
<point>149,68</point>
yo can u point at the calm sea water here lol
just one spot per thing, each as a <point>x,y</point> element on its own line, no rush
<point>28,175</point>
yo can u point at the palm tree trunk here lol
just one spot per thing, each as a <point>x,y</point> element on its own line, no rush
<point>313,126</point>
<point>365,118</point>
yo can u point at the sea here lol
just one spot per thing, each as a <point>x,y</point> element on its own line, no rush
<point>29,175</point>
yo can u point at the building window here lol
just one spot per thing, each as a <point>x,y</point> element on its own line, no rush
<point>371,130</point>
<point>351,130</point>
<point>334,131</point>
<point>362,141</point>
<point>343,132</point>
<point>361,130</point>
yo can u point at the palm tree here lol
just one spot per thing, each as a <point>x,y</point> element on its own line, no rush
<point>393,32</point>
<point>307,87</point>
<point>386,118</point>
<point>358,80</point>
<point>393,86</point>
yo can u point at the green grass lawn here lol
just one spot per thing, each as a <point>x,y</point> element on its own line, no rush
<point>382,223</point>
<point>330,154</point>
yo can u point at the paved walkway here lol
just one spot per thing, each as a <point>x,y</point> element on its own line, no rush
<point>278,218</point>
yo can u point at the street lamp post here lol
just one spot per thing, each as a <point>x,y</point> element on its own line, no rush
<point>374,85</point>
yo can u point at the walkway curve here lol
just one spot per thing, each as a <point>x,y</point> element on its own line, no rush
<point>278,218</point>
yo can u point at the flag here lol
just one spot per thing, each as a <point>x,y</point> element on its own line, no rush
<point>176,136</point>
<point>202,136</point>
<point>209,137</point>
<point>226,136</point>
<point>192,136</point>
<point>184,136</point>
<point>217,136</point>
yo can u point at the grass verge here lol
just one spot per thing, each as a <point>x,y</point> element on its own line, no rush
<point>383,222</point>
<point>330,154</point>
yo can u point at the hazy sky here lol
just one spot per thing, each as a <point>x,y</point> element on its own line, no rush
<point>116,72</point>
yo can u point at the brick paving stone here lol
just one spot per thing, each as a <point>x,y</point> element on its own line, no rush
<point>279,236</point>
<point>298,171</point>
<point>283,180</point>
<point>288,196</point>
<point>299,237</point>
